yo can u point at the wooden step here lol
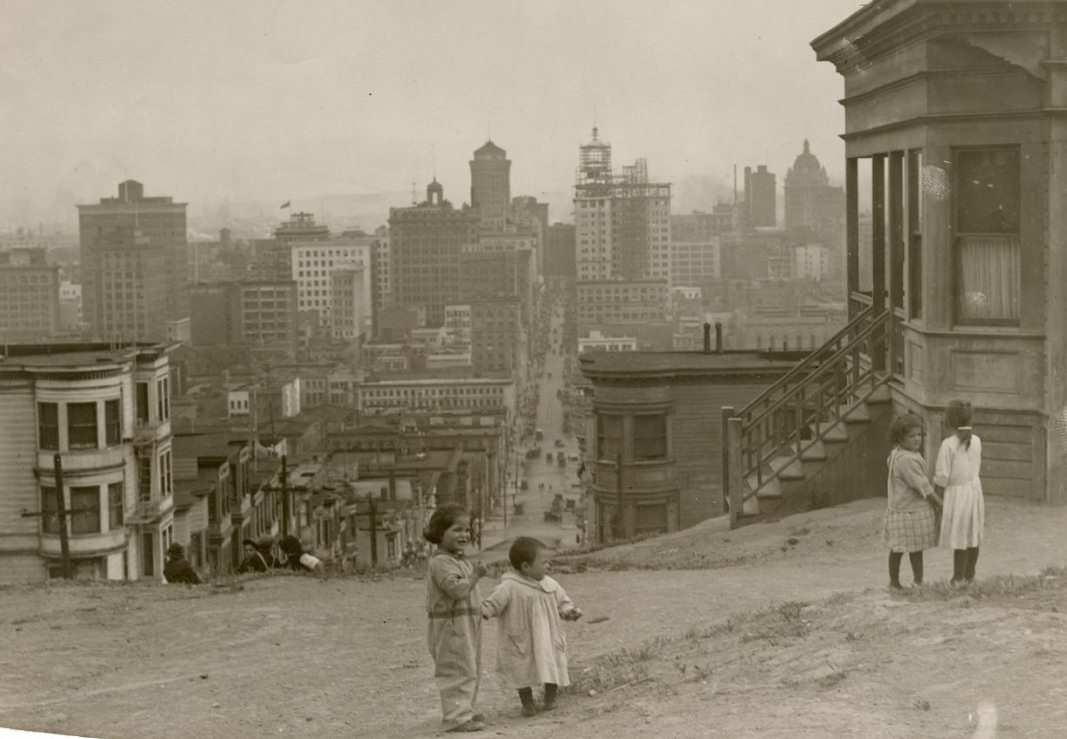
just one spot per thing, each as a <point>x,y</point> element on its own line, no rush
<point>833,431</point>
<point>813,451</point>
<point>787,468</point>
<point>857,413</point>
<point>771,488</point>
<point>881,394</point>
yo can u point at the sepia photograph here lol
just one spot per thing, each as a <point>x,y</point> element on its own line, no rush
<point>527,368</point>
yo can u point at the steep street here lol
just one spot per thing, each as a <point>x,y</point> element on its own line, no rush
<point>544,478</point>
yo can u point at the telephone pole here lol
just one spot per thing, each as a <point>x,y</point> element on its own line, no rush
<point>373,531</point>
<point>286,513</point>
<point>61,513</point>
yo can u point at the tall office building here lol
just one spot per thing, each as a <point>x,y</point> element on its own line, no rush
<point>130,286</point>
<point>491,186</point>
<point>313,265</point>
<point>29,296</point>
<point>622,222</point>
<point>425,243</point>
<point>160,225</point>
<point>761,199</point>
<point>811,203</point>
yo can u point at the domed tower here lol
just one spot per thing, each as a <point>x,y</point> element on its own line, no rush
<point>810,202</point>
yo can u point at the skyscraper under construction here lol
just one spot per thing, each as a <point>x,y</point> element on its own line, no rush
<point>622,222</point>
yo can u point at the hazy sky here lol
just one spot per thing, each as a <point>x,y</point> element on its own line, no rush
<point>275,100</point>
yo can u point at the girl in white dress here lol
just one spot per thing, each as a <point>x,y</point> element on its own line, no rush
<point>959,463</point>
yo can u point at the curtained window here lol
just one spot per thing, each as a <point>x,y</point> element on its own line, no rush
<point>987,241</point>
<point>988,279</point>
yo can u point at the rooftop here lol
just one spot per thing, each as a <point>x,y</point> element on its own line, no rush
<point>628,363</point>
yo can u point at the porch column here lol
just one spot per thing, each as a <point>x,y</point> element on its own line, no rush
<point>852,233</point>
<point>896,260</point>
<point>878,250</point>
<point>1056,328</point>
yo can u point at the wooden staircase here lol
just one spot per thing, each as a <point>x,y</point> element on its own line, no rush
<point>818,436</point>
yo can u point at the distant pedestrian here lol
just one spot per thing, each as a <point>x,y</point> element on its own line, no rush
<point>531,647</point>
<point>254,560</point>
<point>177,568</point>
<point>910,518</point>
<point>454,630</point>
<point>295,558</point>
<point>959,462</point>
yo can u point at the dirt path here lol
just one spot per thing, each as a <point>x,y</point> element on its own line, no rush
<point>290,655</point>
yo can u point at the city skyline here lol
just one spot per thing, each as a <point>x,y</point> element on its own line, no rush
<point>238,104</point>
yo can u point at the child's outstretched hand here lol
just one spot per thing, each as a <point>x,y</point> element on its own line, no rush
<point>572,615</point>
<point>480,569</point>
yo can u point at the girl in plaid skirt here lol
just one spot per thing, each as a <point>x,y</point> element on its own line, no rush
<point>910,519</point>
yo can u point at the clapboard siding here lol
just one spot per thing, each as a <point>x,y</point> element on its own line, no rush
<point>18,452</point>
<point>696,438</point>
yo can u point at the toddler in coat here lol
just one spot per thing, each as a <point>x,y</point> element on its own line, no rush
<point>454,629</point>
<point>531,645</point>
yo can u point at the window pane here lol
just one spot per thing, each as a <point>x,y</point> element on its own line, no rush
<point>609,436</point>
<point>81,425</point>
<point>142,402</point>
<point>48,425</point>
<point>988,288</point>
<point>163,399</point>
<point>987,191</point>
<point>116,512</point>
<point>112,422</point>
<point>49,511</point>
<point>85,510</point>
<point>144,478</point>
<point>650,437</point>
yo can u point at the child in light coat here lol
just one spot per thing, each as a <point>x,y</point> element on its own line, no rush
<point>531,645</point>
<point>454,629</point>
<point>959,463</point>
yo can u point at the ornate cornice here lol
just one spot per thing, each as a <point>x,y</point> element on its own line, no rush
<point>867,35</point>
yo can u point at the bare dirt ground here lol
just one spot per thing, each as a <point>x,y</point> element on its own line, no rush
<point>773,630</point>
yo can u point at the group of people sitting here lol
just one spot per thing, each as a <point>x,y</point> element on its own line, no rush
<point>260,556</point>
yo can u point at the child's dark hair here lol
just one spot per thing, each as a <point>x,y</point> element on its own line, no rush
<point>902,426</point>
<point>441,521</point>
<point>524,551</point>
<point>958,416</point>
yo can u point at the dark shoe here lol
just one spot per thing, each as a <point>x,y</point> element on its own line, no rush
<point>894,585</point>
<point>479,717</point>
<point>529,710</point>
<point>471,725</point>
<point>550,705</point>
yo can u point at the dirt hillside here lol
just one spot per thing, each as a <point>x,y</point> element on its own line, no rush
<point>783,629</point>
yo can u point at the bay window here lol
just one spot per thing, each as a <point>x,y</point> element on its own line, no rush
<point>81,426</point>
<point>987,236</point>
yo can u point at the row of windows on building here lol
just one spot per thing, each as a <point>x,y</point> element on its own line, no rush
<point>82,419</point>
<point>648,436</point>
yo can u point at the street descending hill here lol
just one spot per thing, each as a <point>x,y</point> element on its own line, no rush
<point>783,630</point>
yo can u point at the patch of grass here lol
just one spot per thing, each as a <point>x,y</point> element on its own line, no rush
<point>602,678</point>
<point>998,587</point>
<point>784,621</point>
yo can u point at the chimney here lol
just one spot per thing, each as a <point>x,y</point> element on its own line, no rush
<point>707,338</point>
<point>718,338</point>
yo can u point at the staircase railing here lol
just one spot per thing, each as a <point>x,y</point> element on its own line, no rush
<point>798,410</point>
